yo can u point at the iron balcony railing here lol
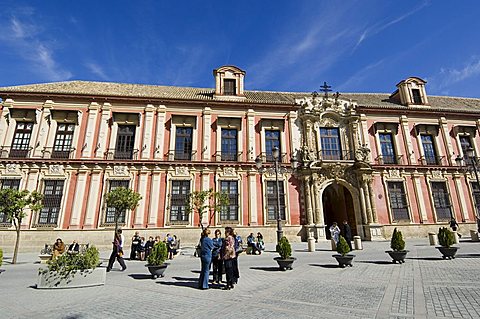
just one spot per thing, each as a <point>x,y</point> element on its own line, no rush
<point>15,152</point>
<point>432,160</point>
<point>389,159</point>
<point>181,155</point>
<point>64,153</point>
<point>123,154</point>
<point>335,155</point>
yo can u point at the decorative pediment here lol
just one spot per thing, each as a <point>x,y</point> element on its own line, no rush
<point>315,105</point>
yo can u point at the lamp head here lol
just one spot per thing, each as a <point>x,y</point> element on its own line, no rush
<point>258,162</point>
<point>470,152</point>
<point>459,160</point>
<point>275,152</point>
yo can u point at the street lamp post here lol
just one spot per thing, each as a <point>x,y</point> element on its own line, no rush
<point>276,168</point>
<point>471,162</point>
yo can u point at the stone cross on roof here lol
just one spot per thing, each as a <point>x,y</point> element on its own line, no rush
<point>325,89</point>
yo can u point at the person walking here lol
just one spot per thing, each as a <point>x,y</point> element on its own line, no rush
<point>229,256</point>
<point>117,252</point>
<point>347,233</point>
<point>335,232</point>
<point>217,261</point>
<point>206,258</point>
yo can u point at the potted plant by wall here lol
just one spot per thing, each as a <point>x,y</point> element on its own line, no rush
<point>446,239</point>
<point>156,260</point>
<point>73,271</point>
<point>398,245</point>
<point>343,249</point>
<point>284,249</point>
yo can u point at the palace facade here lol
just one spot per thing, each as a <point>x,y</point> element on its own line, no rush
<point>377,160</point>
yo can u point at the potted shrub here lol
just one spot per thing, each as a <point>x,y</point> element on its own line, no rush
<point>156,260</point>
<point>398,252</point>
<point>284,249</point>
<point>446,239</point>
<point>73,270</point>
<point>343,249</point>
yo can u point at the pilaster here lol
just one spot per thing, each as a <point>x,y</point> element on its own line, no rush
<point>447,140</point>
<point>461,196</point>
<point>419,195</point>
<point>154,197</point>
<point>160,132</point>
<point>148,131</point>
<point>44,125</point>
<point>407,139</point>
<point>207,133</point>
<point>252,201</point>
<point>251,135</point>
<point>90,132</point>
<point>78,199</point>
<point>142,190</point>
<point>101,146</point>
<point>93,197</point>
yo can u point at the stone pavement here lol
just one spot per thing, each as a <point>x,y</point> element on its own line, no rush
<point>424,287</point>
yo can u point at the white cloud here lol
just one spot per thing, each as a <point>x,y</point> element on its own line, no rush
<point>450,76</point>
<point>97,70</point>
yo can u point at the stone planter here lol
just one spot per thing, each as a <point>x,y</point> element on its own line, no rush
<point>44,258</point>
<point>344,261</point>
<point>448,252</point>
<point>285,264</point>
<point>157,271</point>
<point>397,256</point>
<point>86,278</point>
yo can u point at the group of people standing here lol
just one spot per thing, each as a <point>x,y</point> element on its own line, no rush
<point>221,253</point>
<point>346,232</point>
<point>141,248</point>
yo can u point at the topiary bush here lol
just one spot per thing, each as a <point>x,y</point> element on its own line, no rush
<point>284,248</point>
<point>397,243</point>
<point>342,246</point>
<point>1,257</point>
<point>158,255</point>
<point>446,238</point>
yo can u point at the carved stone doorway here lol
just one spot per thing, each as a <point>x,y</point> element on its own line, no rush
<point>337,207</point>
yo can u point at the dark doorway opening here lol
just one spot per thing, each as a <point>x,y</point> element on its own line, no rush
<point>337,207</point>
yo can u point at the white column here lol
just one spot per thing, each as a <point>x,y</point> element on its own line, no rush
<point>206,186</point>
<point>142,190</point>
<point>308,201</point>
<point>160,133</point>
<point>447,140</point>
<point>252,193</point>
<point>154,197</point>
<point>461,196</point>
<point>88,147</point>
<point>207,134</point>
<point>251,135</point>
<point>103,130</point>
<point>31,186</point>
<point>294,132</point>
<point>93,196</point>
<point>147,131</point>
<point>407,139</point>
<point>4,125</point>
<point>318,203</point>
<point>44,125</point>
<point>363,206</point>
<point>80,188</point>
<point>367,202</point>
<point>51,138</point>
<point>419,194</point>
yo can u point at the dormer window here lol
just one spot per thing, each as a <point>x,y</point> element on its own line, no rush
<point>229,83</point>
<point>411,92</point>
<point>417,98</point>
<point>229,87</point>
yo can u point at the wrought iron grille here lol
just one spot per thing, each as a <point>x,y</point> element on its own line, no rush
<point>230,211</point>
<point>398,201</point>
<point>52,201</point>
<point>110,212</point>
<point>179,198</point>
<point>272,200</point>
<point>441,201</point>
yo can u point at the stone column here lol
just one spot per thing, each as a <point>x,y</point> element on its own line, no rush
<point>160,133</point>
<point>461,196</point>
<point>101,146</point>
<point>207,134</point>
<point>154,197</point>
<point>407,140</point>
<point>367,202</point>
<point>88,147</point>
<point>372,202</point>
<point>419,195</point>
<point>93,196</point>
<point>363,206</point>
<point>308,201</point>
<point>147,131</point>
<point>252,193</point>
<point>318,203</point>
<point>205,187</point>
<point>251,135</point>
<point>44,125</point>
<point>142,190</point>
<point>79,196</point>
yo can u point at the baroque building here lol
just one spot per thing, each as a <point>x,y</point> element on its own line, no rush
<point>377,160</point>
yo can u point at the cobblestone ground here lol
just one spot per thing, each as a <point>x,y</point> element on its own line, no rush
<point>424,287</point>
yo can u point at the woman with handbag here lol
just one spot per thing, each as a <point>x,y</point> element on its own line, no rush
<point>229,258</point>
<point>206,259</point>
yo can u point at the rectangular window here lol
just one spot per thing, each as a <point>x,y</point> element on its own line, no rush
<point>388,151</point>
<point>63,141</point>
<point>110,213</point>
<point>229,144</point>
<point>441,201</point>
<point>465,143</point>
<point>272,203</point>
<point>52,201</point>
<point>417,98</point>
<point>429,149</point>
<point>272,140</point>
<point>229,213</point>
<point>21,140</point>
<point>398,201</point>
<point>12,183</point>
<point>476,197</point>
<point>229,87</point>
<point>179,201</point>
<point>125,142</point>
<point>183,143</point>
<point>330,139</point>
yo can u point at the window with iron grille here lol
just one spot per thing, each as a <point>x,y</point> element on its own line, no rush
<point>125,142</point>
<point>229,144</point>
<point>417,98</point>
<point>388,151</point>
<point>229,87</point>
<point>63,140</point>
<point>110,213</point>
<point>476,197</point>
<point>272,200</point>
<point>52,201</point>
<point>183,143</point>
<point>179,201</point>
<point>272,140</point>
<point>229,213</point>
<point>398,201</point>
<point>441,201</point>
<point>21,140</point>
<point>429,149</point>
<point>330,139</point>
<point>12,183</point>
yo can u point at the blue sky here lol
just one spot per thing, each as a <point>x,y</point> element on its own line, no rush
<point>356,46</point>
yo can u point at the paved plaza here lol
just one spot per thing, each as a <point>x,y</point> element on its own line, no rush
<point>424,287</point>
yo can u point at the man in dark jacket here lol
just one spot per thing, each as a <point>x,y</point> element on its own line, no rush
<point>347,234</point>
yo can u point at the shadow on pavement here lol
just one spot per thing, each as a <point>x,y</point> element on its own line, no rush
<point>266,268</point>
<point>468,255</point>
<point>181,282</point>
<point>140,276</point>
<point>376,262</point>
<point>306,250</point>
<point>426,258</point>
<point>77,316</point>
<point>325,266</point>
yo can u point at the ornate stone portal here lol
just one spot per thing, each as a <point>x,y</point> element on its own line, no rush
<point>334,171</point>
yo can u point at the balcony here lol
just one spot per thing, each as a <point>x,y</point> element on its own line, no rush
<point>51,152</point>
<point>227,156</point>
<point>114,154</point>
<point>181,155</point>
<point>432,160</point>
<point>389,160</point>
<point>335,155</point>
<point>16,152</point>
